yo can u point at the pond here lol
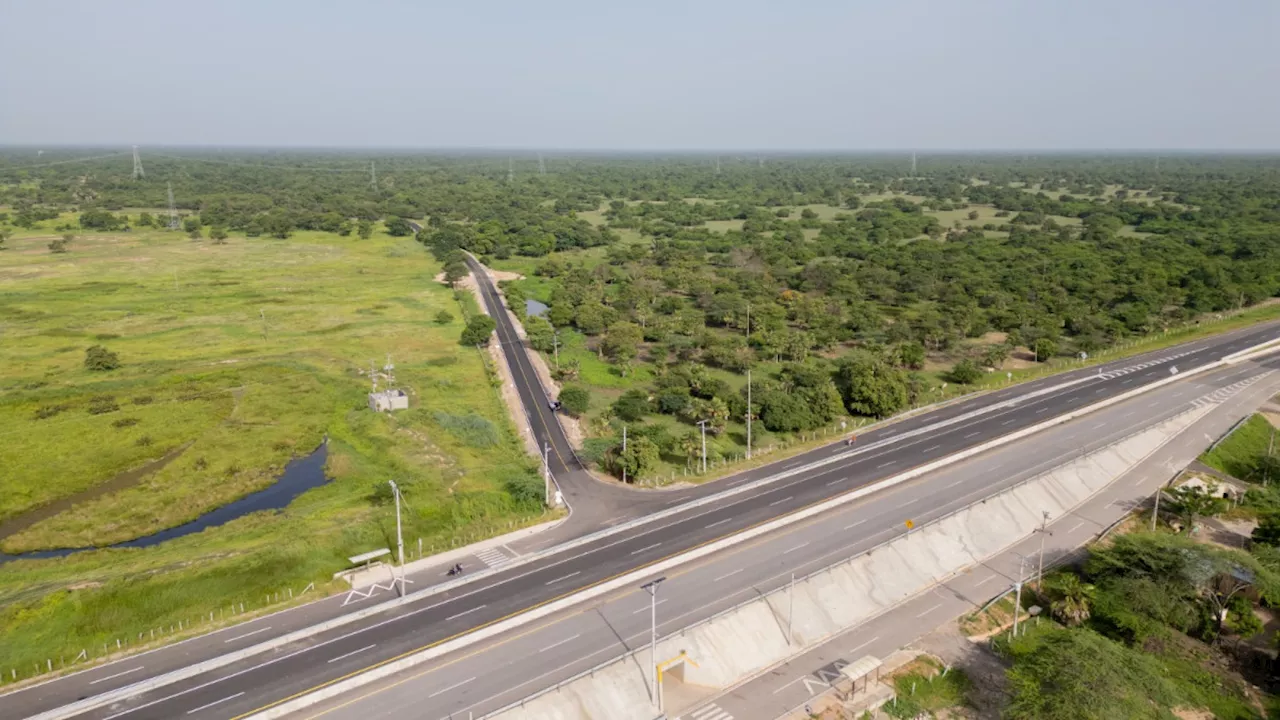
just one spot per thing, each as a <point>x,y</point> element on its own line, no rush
<point>534,308</point>
<point>299,476</point>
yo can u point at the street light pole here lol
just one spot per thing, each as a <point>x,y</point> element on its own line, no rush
<point>1043,531</point>
<point>748,399</point>
<point>791,606</point>
<point>395,490</point>
<point>651,587</point>
<point>624,453</point>
<point>555,344</point>
<point>703,425</point>
<point>1017,601</point>
<point>1155,513</point>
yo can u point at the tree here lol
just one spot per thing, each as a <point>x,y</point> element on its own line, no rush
<point>146,220</point>
<point>870,387</point>
<point>632,406</point>
<point>195,233</point>
<point>911,355</point>
<point>622,342</point>
<point>1268,530</point>
<point>218,235</point>
<point>454,270</point>
<point>995,355</point>
<point>99,359</point>
<point>60,245</point>
<point>1081,675</point>
<point>965,372</point>
<point>1044,348</point>
<point>444,317</point>
<point>4,235</point>
<point>478,330</point>
<point>398,227</point>
<point>640,458</point>
<point>364,229</point>
<point>1193,502</point>
<point>973,214</point>
<point>575,400</point>
<point>191,224</point>
<point>1069,598</point>
<point>540,334</point>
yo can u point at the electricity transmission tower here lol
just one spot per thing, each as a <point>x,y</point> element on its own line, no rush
<point>717,164</point>
<point>137,165</point>
<point>913,164</point>
<point>173,210</point>
<point>373,176</point>
<point>511,173</point>
<point>542,166</point>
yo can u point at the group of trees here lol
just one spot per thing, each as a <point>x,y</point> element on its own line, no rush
<point>1120,655</point>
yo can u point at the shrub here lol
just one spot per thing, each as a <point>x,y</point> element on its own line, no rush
<point>966,372</point>
<point>143,441</point>
<point>99,359</point>
<point>143,400</point>
<point>478,330</point>
<point>45,412</point>
<point>102,405</point>
<point>444,317</point>
<point>575,400</point>
<point>470,429</point>
<point>125,422</point>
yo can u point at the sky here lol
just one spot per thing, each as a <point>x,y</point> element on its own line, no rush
<point>653,75</point>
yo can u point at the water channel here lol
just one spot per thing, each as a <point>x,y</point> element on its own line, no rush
<point>299,476</point>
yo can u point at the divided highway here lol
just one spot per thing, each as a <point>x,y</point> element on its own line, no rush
<point>267,679</point>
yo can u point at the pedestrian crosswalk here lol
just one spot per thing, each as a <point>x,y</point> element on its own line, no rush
<point>493,557</point>
<point>1142,366</point>
<point>710,711</point>
<point>1226,392</point>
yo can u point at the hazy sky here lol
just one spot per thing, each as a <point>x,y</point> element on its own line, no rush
<point>889,74</point>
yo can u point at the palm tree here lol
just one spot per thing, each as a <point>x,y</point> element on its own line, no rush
<point>1069,599</point>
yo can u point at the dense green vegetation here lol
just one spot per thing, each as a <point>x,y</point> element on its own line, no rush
<point>844,287</point>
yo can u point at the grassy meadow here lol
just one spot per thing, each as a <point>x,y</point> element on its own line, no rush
<point>239,357</point>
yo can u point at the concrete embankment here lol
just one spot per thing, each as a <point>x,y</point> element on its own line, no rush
<point>752,637</point>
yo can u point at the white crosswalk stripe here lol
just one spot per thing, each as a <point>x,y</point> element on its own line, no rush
<point>1112,374</point>
<point>709,712</point>
<point>492,557</point>
<point>1226,392</point>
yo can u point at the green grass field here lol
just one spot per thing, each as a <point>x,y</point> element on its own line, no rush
<point>243,355</point>
<point>1239,453</point>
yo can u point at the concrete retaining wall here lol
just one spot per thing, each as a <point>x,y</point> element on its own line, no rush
<point>752,637</point>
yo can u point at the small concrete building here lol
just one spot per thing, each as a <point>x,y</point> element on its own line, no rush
<point>388,400</point>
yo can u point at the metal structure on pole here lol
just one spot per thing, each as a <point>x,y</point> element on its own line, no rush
<point>138,174</point>
<point>1043,531</point>
<point>395,490</point>
<point>703,425</point>
<point>651,587</point>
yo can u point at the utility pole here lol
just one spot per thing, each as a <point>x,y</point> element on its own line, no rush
<point>703,425</point>
<point>1266,468</point>
<point>748,413</point>
<point>651,587</point>
<point>1044,521</point>
<point>1017,602</point>
<point>624,453</point>
<point>546,472</point>
<point>395,490</point>
<point>173,210</point>
<point>555,344</point>
<point>137,165</point>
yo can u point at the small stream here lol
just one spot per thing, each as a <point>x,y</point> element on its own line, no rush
<point>299,476</point>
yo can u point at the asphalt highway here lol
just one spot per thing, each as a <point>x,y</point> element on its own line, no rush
<point>512,667</point>
<point>269,678</point>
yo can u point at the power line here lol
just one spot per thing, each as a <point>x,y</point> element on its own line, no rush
<point>63,162</point>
